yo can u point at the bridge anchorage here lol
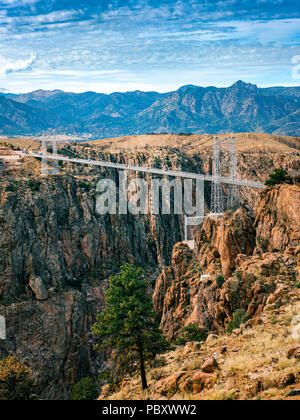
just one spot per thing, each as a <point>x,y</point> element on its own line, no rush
<point>219,202</point>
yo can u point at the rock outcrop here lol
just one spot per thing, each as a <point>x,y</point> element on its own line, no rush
<point>254,278</point>
<point>277,220</point>
<point>224,239</point>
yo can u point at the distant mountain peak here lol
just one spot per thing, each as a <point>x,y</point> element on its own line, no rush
<point>188,87</point>
<point>242,84</point>
<point>47,92</point>
<point>242,107</point>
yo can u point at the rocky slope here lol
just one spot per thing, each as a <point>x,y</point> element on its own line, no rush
<point>260,361</point>
<point>256,256</point>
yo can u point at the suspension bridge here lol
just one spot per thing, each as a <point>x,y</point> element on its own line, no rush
<point>220,201</point>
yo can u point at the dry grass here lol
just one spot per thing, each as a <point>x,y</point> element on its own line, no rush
<point>259,353</point>
<point>244,141</point>
<point>21,143</point>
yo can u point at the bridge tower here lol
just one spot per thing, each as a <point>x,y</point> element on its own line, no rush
<point>47,167</point>
<point>217,195</point>
<point>234,198</point>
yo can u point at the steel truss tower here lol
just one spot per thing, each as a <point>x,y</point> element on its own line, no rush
<point>49,168</point>
<point>234,197</point>
<point>220,203</point>
<point>217,196</point>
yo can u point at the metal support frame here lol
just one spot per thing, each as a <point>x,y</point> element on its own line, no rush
<point>217,194</point>
<point>219,203</point>
<point>234,189</point>
<point>49,168</point>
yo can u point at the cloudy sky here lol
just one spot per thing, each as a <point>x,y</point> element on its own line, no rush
<point>121,45</point>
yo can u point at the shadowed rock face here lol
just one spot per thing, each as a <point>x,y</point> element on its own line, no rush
<point>52,237</point>
<point>55,254</point>
<point>50,337</point>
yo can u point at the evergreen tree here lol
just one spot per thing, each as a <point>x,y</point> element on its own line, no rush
<point>279,176</point>
<point>84,390</point>
<point>128,324</point>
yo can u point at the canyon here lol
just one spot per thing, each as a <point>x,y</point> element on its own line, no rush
<point>57,253</point>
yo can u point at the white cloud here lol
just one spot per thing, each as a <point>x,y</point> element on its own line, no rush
<point>17,3</point>
<point>12,66</point>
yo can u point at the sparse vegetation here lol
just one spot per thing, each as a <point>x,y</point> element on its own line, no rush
<point>16,382</point>
<point>34,184</point>
<point>238,274</point>
<point>279,176</point>
<point>239,318</point>
<point>220,281</point>
<point>263,242</point>
<point>84,390</point>
<point>85,185</point>
<point>191,332</point>
<point>259,348</point>
<point>11,188</point>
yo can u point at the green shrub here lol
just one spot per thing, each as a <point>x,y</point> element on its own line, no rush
<point>238,274</point>
<point>297,285</point>
<point>160,362</point>
<point>263,242</point>
<point>180,342</point>
<point>11,188</point>
<point>191,332</point>
<point>279,176</point>
<point>220,281</point>
<point>106,377</point>
<point>16,383</point>
<point>34,185</point>
<point>84,390</point>
<point>239,318</point>
<point>85,185</point>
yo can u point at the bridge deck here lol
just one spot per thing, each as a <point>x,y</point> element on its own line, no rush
<point>180,174</point>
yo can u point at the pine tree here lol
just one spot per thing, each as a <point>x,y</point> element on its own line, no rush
<point>279,176</point>
<point>84,390</point>
<point>128,324</point>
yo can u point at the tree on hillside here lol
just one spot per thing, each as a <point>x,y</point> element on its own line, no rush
<point>127,324</point>
<point>16,382</point>
<point>84,390</point>
<point>279,176</point>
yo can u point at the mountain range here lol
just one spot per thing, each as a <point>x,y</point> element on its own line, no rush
<point>242,107</point>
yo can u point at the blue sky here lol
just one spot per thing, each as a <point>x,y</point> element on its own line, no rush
<point>121,45</point>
